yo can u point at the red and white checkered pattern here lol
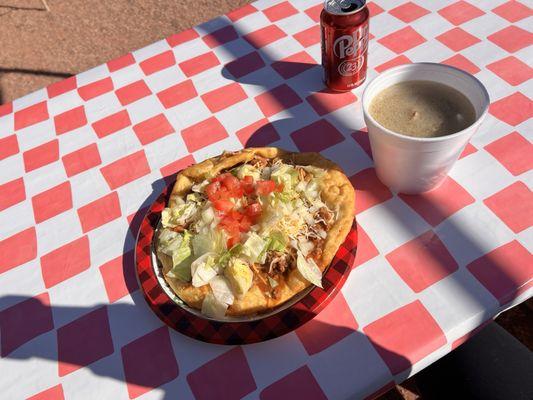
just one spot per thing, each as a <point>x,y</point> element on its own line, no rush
<point>82,159</point>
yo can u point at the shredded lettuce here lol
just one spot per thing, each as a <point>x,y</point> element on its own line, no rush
<point>199,187</point>
<point>254,247</point>
<point>166,236</point>
<point>212,241</point>
<point>309,269</point>
<point>286,174</point>
<point>172,217</point>
<point>221,289</point>
<point>181,257</point>
<point>248,170</point>
<point>228,254</point>
<point>213,308</point>
<point>239,275</point>
<point>203,269</point>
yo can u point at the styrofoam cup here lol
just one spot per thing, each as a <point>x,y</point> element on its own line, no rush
<point>410,164</point>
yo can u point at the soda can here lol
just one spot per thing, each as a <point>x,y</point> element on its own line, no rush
<point>344,29</point>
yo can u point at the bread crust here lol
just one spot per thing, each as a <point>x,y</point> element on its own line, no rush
<point>336,191</point>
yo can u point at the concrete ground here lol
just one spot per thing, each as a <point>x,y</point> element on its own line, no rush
<point>39,47</point>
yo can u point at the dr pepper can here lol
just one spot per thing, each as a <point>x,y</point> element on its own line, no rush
<point>344,28</point>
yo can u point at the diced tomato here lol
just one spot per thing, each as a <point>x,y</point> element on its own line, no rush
<point>232,241</point>
<point>236,215</point>
<point>265,187</point>
<point>279,187</point>
<point>253,210</point>
<point>245,224</point>
<point>231,182</point>
<point>212,189</point>
<point>223,205</point>
<point>247,185</point>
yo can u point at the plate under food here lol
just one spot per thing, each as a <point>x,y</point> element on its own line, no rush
<point>232,330</point>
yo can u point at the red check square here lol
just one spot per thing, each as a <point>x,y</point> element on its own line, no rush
<point>60,87</point>
<point>203,134</point>
<point>280,11</point>
<point>25,321</point>
<point>314,12</point>
<point>374,9</point>
<point>65,262</point>
<point>6,109</point>
<point>299,384</point>
<point>199,64</point>
<point>422,261</point>
<point>258,134</point>
<point>369,191</point>
<point>112,123</point>
<point>31,115</point>
<point>18,249</point>
<point>177,94</point>
<point>294,65</point>
<point>333,324</point>
<point>405,336</point>
<point>149,362</point>
<point>317,136</point>
<point>126,170</point>
<point>469,149</point>
<point>240,13</point>
<point>224,97</point>
<point>245,65</point>
<point>52,202</point>
<point>96,89</point>
<point>327,101</point>
<point>276,100</point>
<point>70,120</point>
<point>402,40</point>
<point>11,193</point>
<point>264,36</point>
<point>513,109</point>
<point>236,382</point>
<point>513,11</point>
<point>120,62</point>
<point>309,36</point>
<point>408,12</point>
<point>512,38</point>
<point>365,248</point>
<point>505,271</point>
<point>153,129</point>
<point>81,160</point>
<point>220,37</point>
<point>182,37</point>
<point>513,152</point>
<point>513,206</point>
<point>158,62</point>
<point>132,92</point>
<point>457,39</point>
<point>99,212</point>
<point>84,341</point>
<point>438,204</point>
<point>461,62</point>
<point>119,277</point>
<point>396,61</point>
<point>54,393</point>
<point>512,70</point>
<point>178,165</point>
<point>460,12</point>
<point>41,155</point>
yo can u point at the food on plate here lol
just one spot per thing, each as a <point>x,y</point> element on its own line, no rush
<point>246,231</point>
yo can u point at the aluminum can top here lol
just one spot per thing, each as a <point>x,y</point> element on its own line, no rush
<point>343,7</point>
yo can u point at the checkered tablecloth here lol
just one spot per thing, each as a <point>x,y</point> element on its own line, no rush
<point>82,159</point>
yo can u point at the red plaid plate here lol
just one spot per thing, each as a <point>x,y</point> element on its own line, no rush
<point>189,322</point>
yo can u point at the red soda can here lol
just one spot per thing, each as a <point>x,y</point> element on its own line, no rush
<point>344,28</point>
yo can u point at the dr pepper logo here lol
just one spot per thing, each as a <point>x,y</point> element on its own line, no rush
<point>352,47</point>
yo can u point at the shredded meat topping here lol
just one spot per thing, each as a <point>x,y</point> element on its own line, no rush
<point>303,174</point>
<point>259,162</point>
<point>179,228</point>
<point>278,262</point>
<point>326,215</point>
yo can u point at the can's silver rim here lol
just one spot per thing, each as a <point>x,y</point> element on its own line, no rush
<point>332,11</point>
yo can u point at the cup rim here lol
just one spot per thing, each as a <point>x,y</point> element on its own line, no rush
<point>478,120</point>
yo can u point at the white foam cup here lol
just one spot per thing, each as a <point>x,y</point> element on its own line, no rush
<point>413,165</point>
